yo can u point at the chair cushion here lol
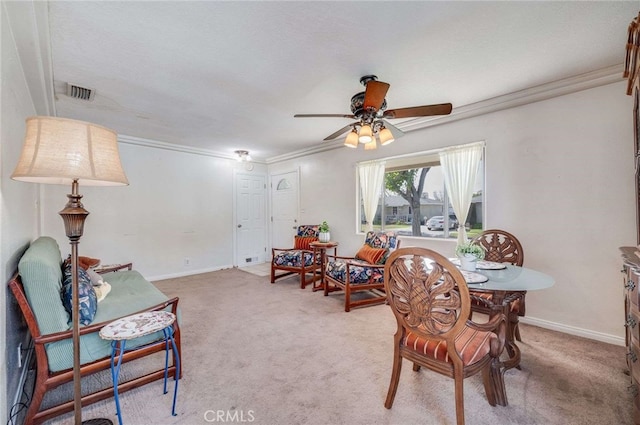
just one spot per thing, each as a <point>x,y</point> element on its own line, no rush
<point>308,230</point>
<point>357,274</point>
<point>130,292</point>
<point>41,272</point>
<point>371,255</point>
<point>471,344</point>
<point>293,258</point>
<point>381,240</point>
<point>302,242</point>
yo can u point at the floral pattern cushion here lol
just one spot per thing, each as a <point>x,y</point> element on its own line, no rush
<point>381,239</point>
<point>293,258</point>
<point>357,274</point>
<point>308,230</point>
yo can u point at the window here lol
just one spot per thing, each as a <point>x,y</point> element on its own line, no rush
<point>414,199</point>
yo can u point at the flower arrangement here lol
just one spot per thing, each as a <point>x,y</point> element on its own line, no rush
<point>466,249</point>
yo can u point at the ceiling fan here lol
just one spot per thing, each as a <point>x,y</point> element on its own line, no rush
<point>369,109</point>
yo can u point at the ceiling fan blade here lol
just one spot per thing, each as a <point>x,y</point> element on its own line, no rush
<point>323,116</point>
<point>394,130</point>
<point>374,94</point>
<point>339,132</point>
<point>419,111</point>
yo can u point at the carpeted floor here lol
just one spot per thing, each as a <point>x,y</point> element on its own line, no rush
<point>262,269</point>
<point>275,354</point>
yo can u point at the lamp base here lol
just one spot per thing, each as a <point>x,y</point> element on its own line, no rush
<point>97,421</point>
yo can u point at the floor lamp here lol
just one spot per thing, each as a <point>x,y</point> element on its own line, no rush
<point>64,151</point>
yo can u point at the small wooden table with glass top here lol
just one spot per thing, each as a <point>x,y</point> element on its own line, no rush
<point>321,248</point>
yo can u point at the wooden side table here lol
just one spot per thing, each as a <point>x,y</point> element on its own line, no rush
<point>321,247</point>
<point>135,326</point>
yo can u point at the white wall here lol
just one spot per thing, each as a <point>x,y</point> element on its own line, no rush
<point>177,205</point>
<point>18,210</point>
<point>559,175</point>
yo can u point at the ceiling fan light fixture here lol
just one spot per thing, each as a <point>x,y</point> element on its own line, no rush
<point>366,134</point>
<point>371,145</point>
<point>386,136</point>
<point>352,139</point>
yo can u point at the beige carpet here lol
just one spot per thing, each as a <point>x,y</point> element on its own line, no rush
<point>275,354</point>
<point>262,269</point>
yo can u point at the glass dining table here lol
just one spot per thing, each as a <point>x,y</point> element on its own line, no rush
<point>509,284</point>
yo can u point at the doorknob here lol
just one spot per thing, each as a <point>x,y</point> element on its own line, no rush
<point>239,226</point>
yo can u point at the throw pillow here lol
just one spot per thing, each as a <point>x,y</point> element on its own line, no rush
<point>84,262</point>
<point>88,262</point>
<point>102,290</point>
<point>86,295</point>
<point>371,255</point>
<point>302,242</point>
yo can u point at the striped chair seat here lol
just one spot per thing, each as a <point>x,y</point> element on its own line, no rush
<point>472,345</point>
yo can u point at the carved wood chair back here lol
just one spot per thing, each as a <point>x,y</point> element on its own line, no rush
<point>430,300</point>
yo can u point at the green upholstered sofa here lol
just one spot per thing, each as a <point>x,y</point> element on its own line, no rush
<point>37,288</point>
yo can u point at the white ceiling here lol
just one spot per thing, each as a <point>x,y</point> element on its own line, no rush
<point>222,76</point>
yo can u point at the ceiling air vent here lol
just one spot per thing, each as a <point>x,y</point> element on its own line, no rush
<point>78,92</point>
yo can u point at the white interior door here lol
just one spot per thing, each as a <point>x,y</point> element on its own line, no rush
<point>284,209</point>
<point>251,222</point>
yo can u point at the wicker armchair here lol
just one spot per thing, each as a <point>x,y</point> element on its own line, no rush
<point>297,260</point>
<point>430,300</point>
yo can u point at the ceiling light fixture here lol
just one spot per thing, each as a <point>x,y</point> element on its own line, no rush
<point>368,133</point>
<point>385,136</point>
<point>352,139</point>
<point>242,155</point>
<point>371,145</point>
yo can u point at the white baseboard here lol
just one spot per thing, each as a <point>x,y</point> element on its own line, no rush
<point>572,330</point>
<point>187,273</point>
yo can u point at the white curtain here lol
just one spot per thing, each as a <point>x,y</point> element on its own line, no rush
<point>371,178</point>
<point>460,167</point>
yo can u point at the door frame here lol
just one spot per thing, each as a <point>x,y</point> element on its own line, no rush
<point>270,201</point>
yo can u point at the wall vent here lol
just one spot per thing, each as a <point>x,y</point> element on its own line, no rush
<point>78,92</point>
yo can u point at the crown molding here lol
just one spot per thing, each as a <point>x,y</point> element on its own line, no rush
<point>148,143</point>
<point>589,80</point>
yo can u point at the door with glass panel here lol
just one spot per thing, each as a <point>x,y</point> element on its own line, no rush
<point>284,208</point>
